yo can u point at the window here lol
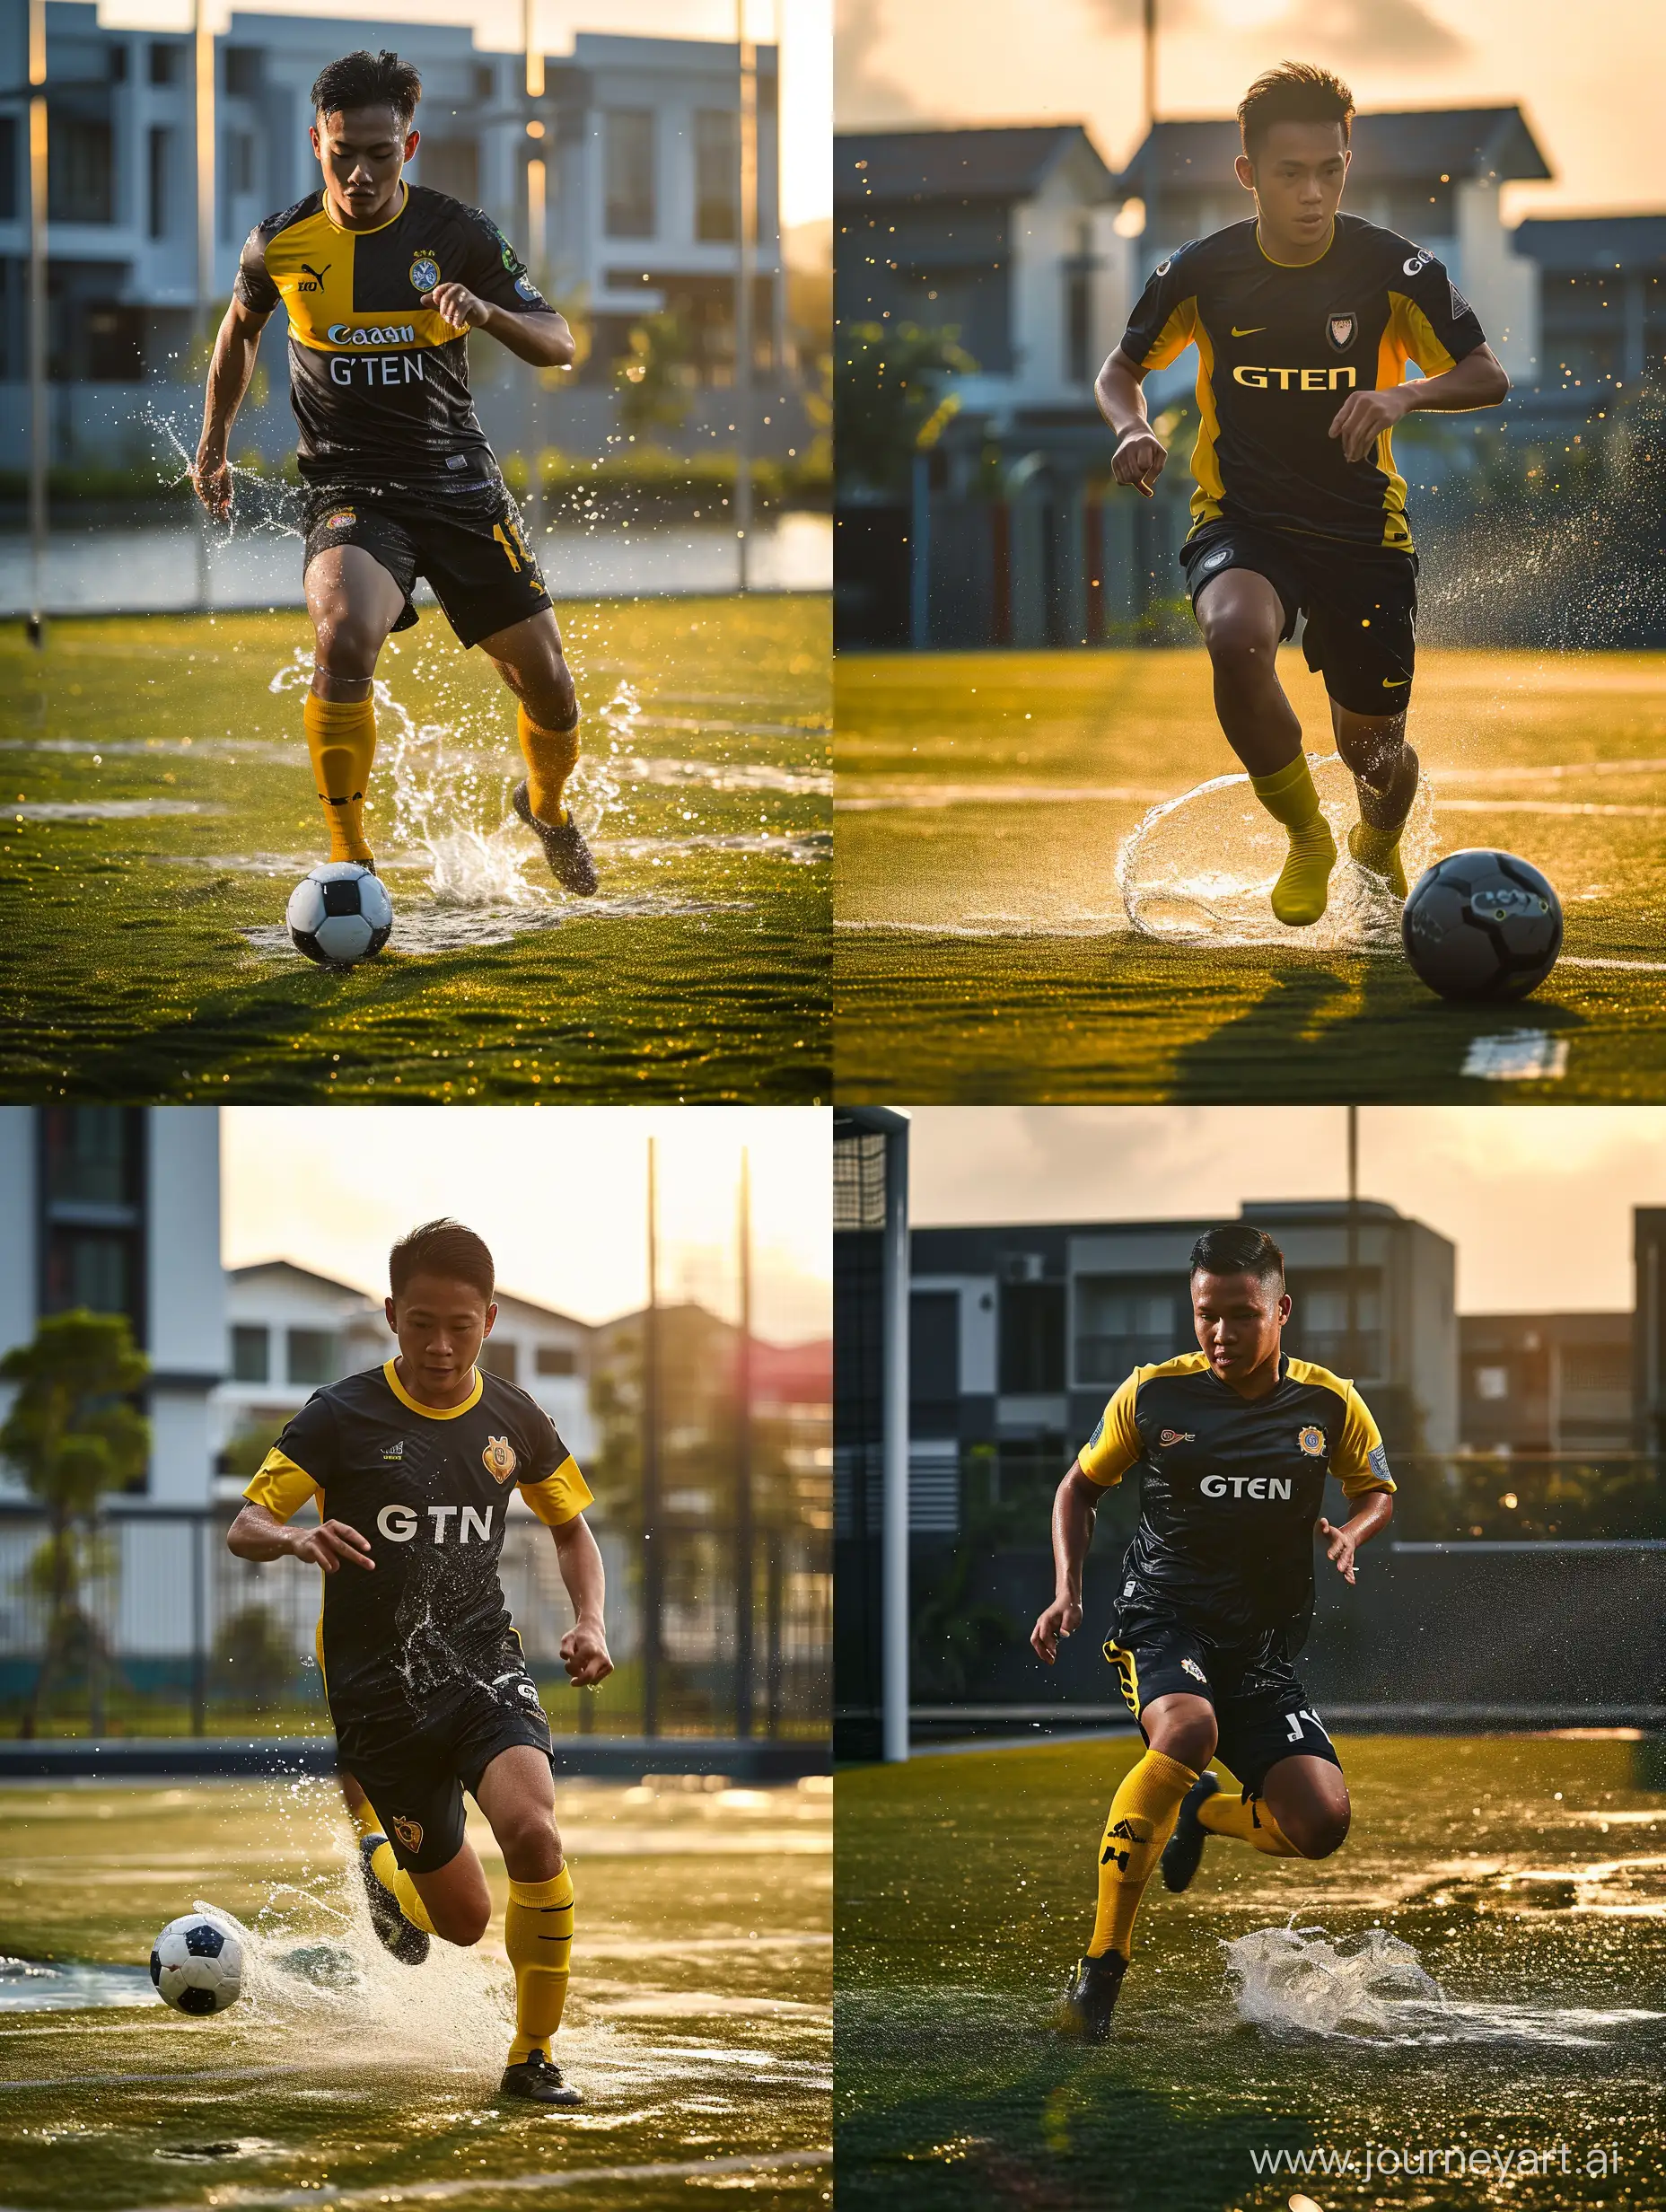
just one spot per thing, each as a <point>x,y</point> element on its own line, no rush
<point>117,60</point>
<point>557,1359</point>
<point>92,1155</point>
<point>159,166</point>
<point>79,171</point>
<point>1124,1323</point>
<point>251,1353</point>
<point>91,1268</point>
<point>1079,363</point>
<point>485,84</point>
<point>242,69</point>
<point>498,1358</point>
<point>165,61</point>
<point>451,165</point>
<point>716,173</point>
<point>1032,1337</point>
<point>311,1355</point>
<point>1492,1383</point>
<point>934,1346</point>
<point>237,178</point>
<point>630,165</point>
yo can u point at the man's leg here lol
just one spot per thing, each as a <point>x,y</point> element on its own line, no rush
<point>1384,768</point>
<point>529,660</point>
<point>1180,1733</point>
<point>1240,616</point>
<point>517,1794</point>
<point>354,603</point>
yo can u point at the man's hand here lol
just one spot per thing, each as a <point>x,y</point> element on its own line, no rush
<point>584,1654</point>
<point>1139,461</point>
<point>1364,417</point>
<point>331,1543</point>
<point>211,480</point>
<point>455,304</point>
<point>1339,1548</point>
<point>1062,1618</point>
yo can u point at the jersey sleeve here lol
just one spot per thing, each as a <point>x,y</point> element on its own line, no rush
<point>1430,321</point>
<point>1360,1463</point>
<point>554,1489</point>
<point>1115,1444</point>
<point>494,272</point>
<point>299,1464</point>
<point>1164,323</point>
<point>251,283</point>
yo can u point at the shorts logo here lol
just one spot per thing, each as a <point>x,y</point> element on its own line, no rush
<point>344,519</point>
<point>396,1449</point>
<point>1340,330</point>
<point>498,1459</point>
<point>1221,555</point>
<point>529,1691</point>
<point>1176,1435</point>
<point>409,1832</point>
<point>1190,1666</point>
<point>425,272</point>
<point>1313,1442</point>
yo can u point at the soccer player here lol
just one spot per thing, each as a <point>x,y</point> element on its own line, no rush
<point>1233,1443</point>
<point>382,282</point>
<point>410,1464</point>
<point>1304,319</point>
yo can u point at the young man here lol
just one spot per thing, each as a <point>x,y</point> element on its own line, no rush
<point>383,281</point>
<point>1304,321</point>
<point>1233,1444</point>
<point>428,1687</point>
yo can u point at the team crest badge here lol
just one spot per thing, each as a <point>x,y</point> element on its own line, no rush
<point>1176,1435</point>
<point>425,272</point>
<point>1313,1442</point>
<point>1340,330</point>
<point>1190,1666</point>
<point>409,1832</point>
<point>344,520</point>
<point>498,1459</point>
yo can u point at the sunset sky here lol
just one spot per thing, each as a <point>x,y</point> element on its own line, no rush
<point>1538,1199</point>
<point>1588,78</point>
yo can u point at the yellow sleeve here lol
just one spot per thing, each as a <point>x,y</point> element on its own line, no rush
<point>281,1487</point>
<point>1360,1463</point>
<point>1413,336</point>
<point>1115,1444</point>
<point>560,1495</point>
<point>1175,335</point>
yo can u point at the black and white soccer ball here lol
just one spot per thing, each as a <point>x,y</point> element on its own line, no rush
<point>198,1965</point>
<point>1481,925</point>
<point>340,914</point>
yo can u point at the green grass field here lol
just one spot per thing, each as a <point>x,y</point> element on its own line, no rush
<point>697,2025</point>
<point>984,953</point>
<point>1529,1875</point>
<point>159,808</point>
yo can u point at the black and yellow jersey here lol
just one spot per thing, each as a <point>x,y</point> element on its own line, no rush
<point>430,1488</point>
<point>1279,349</point>
<point>379,383</point>
<point>1229,1489</point>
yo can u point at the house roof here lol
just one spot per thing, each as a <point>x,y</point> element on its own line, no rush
<point>304,1274</point>
<point>1388,149</point>
<point>920,165</point>
<point>1590,244</point>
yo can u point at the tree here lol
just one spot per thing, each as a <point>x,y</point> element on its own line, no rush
<point>890,402</point>
<point>655,377</point>
<point>72,1434</point>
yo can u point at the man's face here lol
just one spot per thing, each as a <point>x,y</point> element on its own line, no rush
<point>1239,1319</point>
<point>1297,178</point>
<point>362,152</point>
<point>441,1324</point>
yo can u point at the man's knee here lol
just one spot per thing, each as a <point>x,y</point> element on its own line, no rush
<point>346,644</point>
<point>530,1843</point>
<point>461,1921</point>
<point>545,688</point>
<point>1189,1738</point>
<point>1318,1831</point>
<point>1241,641</point>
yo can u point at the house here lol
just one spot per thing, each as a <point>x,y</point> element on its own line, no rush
<point>1546,1382</point>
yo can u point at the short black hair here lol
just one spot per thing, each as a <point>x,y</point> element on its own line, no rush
<point>364,80</point>
<point>442,1248</point>
<point>1238,1249</point>
<point>1296,91</point>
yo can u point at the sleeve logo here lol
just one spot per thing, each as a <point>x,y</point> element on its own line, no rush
<point>1313,1442</point>
<point>1420,259</point>
<point>499,1459</point>
<point>1190,1666</point>
<point>1378,1460</point>
<point>425,272</point>
<point>526,288</point>
<point>1176,1435</point>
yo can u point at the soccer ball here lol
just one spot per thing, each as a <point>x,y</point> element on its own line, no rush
<point>1481,925</point>
<point>340,914</point>
<point>197,1966</point>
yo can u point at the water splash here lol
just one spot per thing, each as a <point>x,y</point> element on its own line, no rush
<point>1200,867</point>
<point>262,505</point>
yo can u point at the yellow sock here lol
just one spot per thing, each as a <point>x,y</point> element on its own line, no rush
<point>363,1817</point>
<point>394,1876</point>
<point>1302,889</point>
<point>551,756</point>
<point>341,737</point>
<point>1226,1815</point>
<point>1140,1822</point>
<point>538,1934</point>
<point>1380,851</point>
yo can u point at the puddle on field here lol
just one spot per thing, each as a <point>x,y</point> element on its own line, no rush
<point>111,810</point>
<point>69,1985</point>
<point>427,925</point>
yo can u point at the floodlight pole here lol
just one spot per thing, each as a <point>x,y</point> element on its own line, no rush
<point>652,1581</point>
<point>1149,65</point>
<point>203,53</point>
<point>744,259</point>
<point>743,1571</point>
<point>537,222</point>
<point>39,418</point>
<point>894,1368</point>
<point>1352,1354</point>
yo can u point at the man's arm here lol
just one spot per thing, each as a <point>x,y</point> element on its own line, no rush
<point>1478,380</point>
<point>1376,1511</point>
<point>229,372</point>
<point>1075,1506</point>
<point>1140,453</point>
<point>584,1647</point>
<point>258,1533</point>
<point>543,340</point>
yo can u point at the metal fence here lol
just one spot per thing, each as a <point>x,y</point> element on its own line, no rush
<point>170,1633</point>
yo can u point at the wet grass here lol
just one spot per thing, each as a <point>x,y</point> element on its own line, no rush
<point>145,949</point>
<point>1528,1873</point>
<point>697,2025</point>
<point>984,954</point>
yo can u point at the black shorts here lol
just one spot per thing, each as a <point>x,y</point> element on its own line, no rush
<point>1360,601</point>
<point>468,541</point>
<point>415,1780</point>
<point>1262,1714</point>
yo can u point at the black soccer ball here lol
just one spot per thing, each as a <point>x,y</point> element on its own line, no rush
<point>1481,925</point>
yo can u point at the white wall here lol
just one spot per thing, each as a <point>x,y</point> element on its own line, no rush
<point>1501,284</point>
